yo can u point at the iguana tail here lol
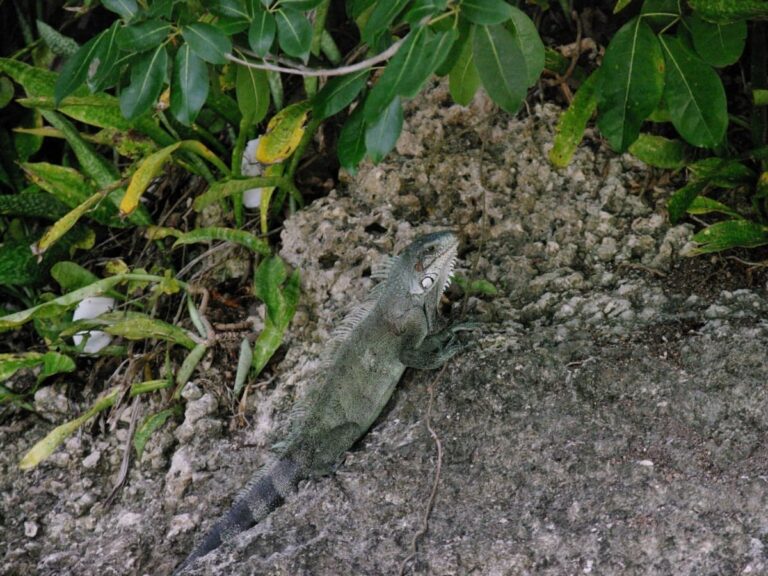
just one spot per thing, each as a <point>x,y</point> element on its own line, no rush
<point>262,495</point>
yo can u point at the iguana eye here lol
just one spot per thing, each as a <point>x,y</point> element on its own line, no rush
<point>427,282</point>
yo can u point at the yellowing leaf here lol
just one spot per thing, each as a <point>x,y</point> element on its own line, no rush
<point>64,224</point>
<point>283,134</point>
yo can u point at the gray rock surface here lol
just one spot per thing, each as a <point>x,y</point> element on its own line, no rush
<point>610,419</point>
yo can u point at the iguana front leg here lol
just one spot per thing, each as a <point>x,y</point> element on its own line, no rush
<point>436,349</point>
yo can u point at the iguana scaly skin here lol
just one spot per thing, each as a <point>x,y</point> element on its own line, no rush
<point>395,328</point>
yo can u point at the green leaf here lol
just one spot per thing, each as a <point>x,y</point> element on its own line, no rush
<point>718,44</point>
<point>58,43</point>
<point>189,87</point>
<point>501,66</point>
<point>125,8</point>
<point>682,199</point>
<point>71,276</point>
<point>407,71</point>
<point>724,11</point>
<point>208,42</point>
<point>659,151</point>
<point>75,70</point>
<point>351,144</point>
<point>241,237</point>
<point>485,12</point>
<point>32,204</point>
<point>338,93</point>
<point>704,205</point>
<point>694,96</point>
<point>464,80</point>
<point>65,224</point>
<point>261,33</point>
<point>529,42</point>
<point>294,32</point>
<point>149,425</point>
<point>252,89</point>
<point>381,17</point>
<point>573,122</point>
<point>632,83</point>
<point>52,363</point>
<point>659,14</point>
<point>620,5</point>
<point>143,36</point>
<point>244,363</point>
<point>137,326</point>
<point>730,234</point>
<point>381,135</point>
<point>301,4</point>
<point>233,8</point>
<point>267,279</point>
<point>103,72</point>
<point>722,172</point>
<point>148,75</point>
<point>424,9</point>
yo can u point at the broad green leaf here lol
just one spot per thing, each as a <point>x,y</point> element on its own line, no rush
<point>208,42</point>
<point>189,88</point>
<point>529,42</point>
<point>65,224</point>
<point>148,75</point>
<point>233,8</point>
<point>267,280</point>
<point>381,17</point>
<point>149,425</point>
<point>718,44</point>
<point>35,81</point>
<point>141,327</point>
<point>407,71</point>
<point>485,12</point>
<point>261,33</point>
<point>294,33</point>
<point>6,92</point>
<point>421,9</point>
<point>71,276</point>
<point>381,135</point>
<point>465,30</point>
<point>501,66</point>
<point>75,70</point>
<point>730,234</point>
<point>242,237</point>
<point>573,122</point>
<point>705,205</point>
<point>103,71</point>
<point>58,43</point>
<point>351,144</point>
<point>632,81</point>
<point>659,151</point>
<point>252,89</point>
<point>694,96</point>
<point>338,93</point>
<point>464,79</point>
<point>143,36</point>
<point>161,9</point>
<point>125,8</point>
<point>284,132</point>
<point>682,199</point>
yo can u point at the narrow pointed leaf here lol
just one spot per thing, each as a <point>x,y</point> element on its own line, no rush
<point>730,234</point>
<point>189,88</point>
<point>252,90</point>
<point>573,122</point>
<point>149,426</point>
<point>58,43</point>
<point>261,33</point>
<point>464,79</point>
<point>501,66</point>
<point>294,32</point>
<point>125,8</point>
<point>682,199</point>
<point>144,36</point>
<point>338,93</point>
<point>632,83</point>
<point>65,224</point>
<point>208,42</point>
<point>381,17</point>
<point>659,151</point>
<point>694,96</point>
<point>148,75</point>
<point>529,42</point>
<point>381,136</point>
<point>351,145</point>
<point>704,205</point>
<point>103,72</point>
<point>284,132</point>
<point>143,176</point>
<point>75,70</point>
<point>241,237</point>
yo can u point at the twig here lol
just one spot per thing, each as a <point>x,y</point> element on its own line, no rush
<point>125,464</point>
<point>436,481</point>
<point>321,72</point>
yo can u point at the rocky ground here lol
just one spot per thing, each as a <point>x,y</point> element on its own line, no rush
<point>610,418</point>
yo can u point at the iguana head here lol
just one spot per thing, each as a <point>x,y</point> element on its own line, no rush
<point>424,268</point>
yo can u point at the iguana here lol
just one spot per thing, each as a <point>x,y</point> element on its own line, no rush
<point>393,329</point>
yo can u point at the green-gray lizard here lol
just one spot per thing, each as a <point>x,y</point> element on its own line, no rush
<point>395,328</point>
